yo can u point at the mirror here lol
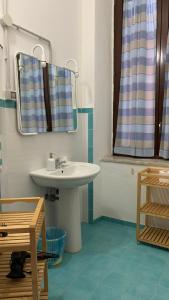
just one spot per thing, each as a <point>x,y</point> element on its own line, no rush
<point>46,96</point>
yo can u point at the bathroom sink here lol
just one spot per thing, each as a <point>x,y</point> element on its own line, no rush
<point>68,208</point>
<point>71,175</point>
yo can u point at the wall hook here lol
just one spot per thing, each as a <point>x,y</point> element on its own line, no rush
<point>76,69</point>
<point>43,57</point>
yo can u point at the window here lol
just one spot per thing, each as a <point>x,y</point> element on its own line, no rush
<point>141,78</point>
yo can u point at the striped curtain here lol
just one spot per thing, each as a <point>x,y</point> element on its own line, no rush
<point>33,113</point>
<point>60,86</point>
<point>136,112</point>
<point>164,145</point>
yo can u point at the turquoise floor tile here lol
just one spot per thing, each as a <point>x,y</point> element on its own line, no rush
<point>162,293</point>
<point>76,294</point>
<point>107,293</point>
<point>164,279</point>
<point>142,296</point>
<point>85,284</point>
<point>110,266</point>
<point>117,281</point>
<point>56,294</point>
<point>142,289</point>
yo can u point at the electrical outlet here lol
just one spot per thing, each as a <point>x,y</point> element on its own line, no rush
<point>11,95</point>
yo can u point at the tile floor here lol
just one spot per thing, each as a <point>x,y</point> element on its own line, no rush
<point>111,266</point>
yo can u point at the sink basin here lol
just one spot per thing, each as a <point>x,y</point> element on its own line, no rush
<point>72,175</point>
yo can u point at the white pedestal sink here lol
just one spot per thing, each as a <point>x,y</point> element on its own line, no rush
<point>68,179</point>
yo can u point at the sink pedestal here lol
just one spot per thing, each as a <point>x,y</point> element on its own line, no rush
<point>68,218</point>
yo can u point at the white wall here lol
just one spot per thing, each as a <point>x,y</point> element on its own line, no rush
<point>24,154</point>
<point>115,189</point>
<point>87,62</point>
<point>1,54</point>
<point>70,25</point>
<point>59,21</point>
<point>103,86</point>
<point>80,29</point>
<point>119,191</point>
<point>103,77</point>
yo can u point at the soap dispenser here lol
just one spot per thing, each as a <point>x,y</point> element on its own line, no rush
<point>50,163</point>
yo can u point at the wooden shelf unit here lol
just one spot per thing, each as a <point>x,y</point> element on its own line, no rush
<point>23,230</point>
<point>156,178</point>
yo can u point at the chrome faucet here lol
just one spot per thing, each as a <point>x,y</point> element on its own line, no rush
<point>60,162</point>
<point>57,163</point>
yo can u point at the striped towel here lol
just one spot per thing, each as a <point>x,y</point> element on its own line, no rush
<point>60,87</point>
<point>33,114</point>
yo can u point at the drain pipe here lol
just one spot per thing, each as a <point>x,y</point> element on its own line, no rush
<point>6,21</point>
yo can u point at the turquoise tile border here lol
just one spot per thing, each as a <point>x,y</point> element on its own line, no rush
<point>90,203</point>
<point>89,111</point>
<point>7,103</point>
<point>75,119</point>
<point>85,110</point>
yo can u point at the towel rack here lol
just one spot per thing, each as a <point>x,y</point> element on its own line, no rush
<point>7,22</point>
<point>18,27</point>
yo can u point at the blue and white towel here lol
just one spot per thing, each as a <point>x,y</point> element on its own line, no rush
<point>60,86</point>
<point>33,114</point>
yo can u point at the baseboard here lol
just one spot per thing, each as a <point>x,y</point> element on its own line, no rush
<point>113,220</point>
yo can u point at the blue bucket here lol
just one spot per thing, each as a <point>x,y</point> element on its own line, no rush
<point>55,240</point>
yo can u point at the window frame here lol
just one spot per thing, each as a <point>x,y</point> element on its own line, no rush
<point>161,43</point>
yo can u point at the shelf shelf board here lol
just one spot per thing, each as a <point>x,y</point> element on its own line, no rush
<point>20,289</point>
<point>155,236</point>
<point>155,209</point>
<point>19,241</point>
<point>156,181</point>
